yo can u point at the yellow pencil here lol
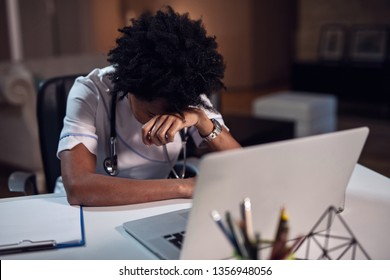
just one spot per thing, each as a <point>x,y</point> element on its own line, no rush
<point>279,248</point>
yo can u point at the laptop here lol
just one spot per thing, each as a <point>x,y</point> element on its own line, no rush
<point>303,175</point>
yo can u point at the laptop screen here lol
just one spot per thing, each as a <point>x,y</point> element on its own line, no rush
<point>304,175</point>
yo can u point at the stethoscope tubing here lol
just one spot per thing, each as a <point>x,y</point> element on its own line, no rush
<point>110,163</point>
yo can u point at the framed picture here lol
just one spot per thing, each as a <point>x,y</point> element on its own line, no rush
<point>332,42</point>
<point>369,44</point>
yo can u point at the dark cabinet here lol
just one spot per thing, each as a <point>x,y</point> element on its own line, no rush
<point>354,82</point>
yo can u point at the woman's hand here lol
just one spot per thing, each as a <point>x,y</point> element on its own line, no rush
<point>161,129</point>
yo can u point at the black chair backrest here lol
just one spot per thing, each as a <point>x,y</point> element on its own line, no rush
<point>51,108</point>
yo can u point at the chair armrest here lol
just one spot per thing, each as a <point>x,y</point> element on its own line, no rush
<point>24,182</point>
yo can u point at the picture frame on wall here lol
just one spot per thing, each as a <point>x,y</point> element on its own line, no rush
<point>332,42</point>
<point>369,44</point>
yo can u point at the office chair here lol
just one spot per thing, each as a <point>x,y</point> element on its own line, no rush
<point>51,108</point>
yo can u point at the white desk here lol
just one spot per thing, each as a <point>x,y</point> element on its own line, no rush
<point>366,213</point>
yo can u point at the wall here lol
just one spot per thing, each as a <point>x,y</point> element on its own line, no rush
<point>312,14</point>
<point>36,24</point>
<point>232,27</point>
<point>100,22</point>
<point>4,45</point>
<point>274,30</point>
<point>254,36</point>
<point>58,27</point>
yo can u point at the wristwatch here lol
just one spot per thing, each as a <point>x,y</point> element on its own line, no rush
<point>216,131</point>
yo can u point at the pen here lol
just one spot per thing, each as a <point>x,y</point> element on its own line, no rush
<point>248,219</point>
<point>217,219</point>
<point>246,227</point>
<point>279,248</point>
<point>250,248</point>
<point>234,234</point>
<point>242,212</point>
<point>257,246</point>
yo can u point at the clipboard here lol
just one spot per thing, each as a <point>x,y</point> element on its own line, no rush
<point>40,223</point>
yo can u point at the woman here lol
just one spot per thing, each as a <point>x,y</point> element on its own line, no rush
<point>163,68</point>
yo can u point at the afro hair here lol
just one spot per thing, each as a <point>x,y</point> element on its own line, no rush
<point>168,56</point>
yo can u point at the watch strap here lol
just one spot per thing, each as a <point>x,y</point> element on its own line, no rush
<point>216,131</point>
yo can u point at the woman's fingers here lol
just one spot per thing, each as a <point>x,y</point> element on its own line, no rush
<point>161,130</point>
<point>158,133</point>
<point>147,130</point>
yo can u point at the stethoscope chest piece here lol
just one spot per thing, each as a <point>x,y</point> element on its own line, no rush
<point>111,166</point>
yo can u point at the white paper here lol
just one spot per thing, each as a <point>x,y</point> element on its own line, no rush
<point>39,219</point>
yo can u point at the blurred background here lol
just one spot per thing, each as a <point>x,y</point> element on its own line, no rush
<point>337,49</point>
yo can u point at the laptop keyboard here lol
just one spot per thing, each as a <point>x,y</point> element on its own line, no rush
<point>175,238</point>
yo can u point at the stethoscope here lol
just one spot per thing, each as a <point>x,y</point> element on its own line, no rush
<point>110,164</point>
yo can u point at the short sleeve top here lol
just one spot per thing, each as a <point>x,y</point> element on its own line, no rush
<point>87,121</point>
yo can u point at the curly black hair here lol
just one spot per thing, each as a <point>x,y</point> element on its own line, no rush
<point>169,56</point>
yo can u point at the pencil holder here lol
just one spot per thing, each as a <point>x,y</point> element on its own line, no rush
<point>247,244</point>
<point>317,244</point>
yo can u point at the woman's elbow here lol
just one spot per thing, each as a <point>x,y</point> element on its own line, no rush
<point>73,199</point>
<point>73,190</point>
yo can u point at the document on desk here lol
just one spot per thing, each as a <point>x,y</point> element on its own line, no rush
<point>39,224</point>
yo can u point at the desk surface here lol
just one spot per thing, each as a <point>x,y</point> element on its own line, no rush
<point>366,212</point>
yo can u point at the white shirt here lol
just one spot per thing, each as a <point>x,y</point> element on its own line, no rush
<point>87,121</point>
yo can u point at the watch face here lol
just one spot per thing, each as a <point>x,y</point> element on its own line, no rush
<point>217,130</point>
